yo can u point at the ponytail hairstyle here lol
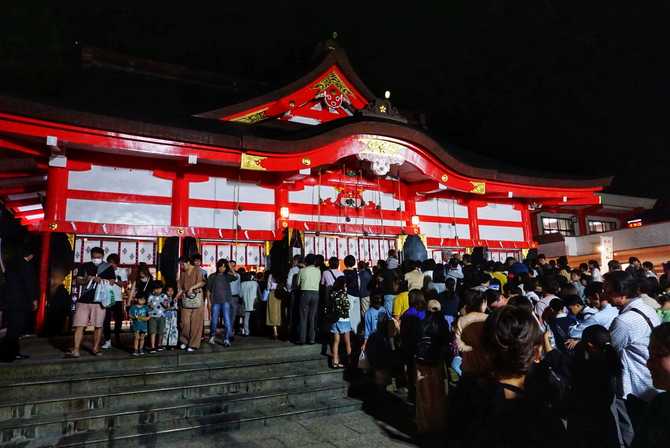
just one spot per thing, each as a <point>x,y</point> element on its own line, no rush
<point>598,339</point>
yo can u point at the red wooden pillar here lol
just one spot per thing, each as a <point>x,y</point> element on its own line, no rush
<point>473,220</point>
<point>410,210</point>
<point>180,193</point>
<point>54,212</point>
<point>281,200</point>
<point>581,221</point>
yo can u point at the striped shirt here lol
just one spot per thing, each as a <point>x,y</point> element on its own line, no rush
<point>630,337</point>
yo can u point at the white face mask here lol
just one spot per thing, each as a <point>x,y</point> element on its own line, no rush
<point>96,261</point>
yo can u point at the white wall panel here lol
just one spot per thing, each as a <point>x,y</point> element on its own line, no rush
<point>441,207</point>
<point>501,233</point>
<point>223,219</point>
<point>117,212</point>
<point>500,212</point>
<point>310,195</point>
<point>445,230</point>
<point>221,189</point>
<point>119,180</point>
<point>387,200</point>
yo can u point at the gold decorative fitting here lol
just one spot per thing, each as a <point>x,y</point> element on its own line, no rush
<point>444,178</point>
<point>331,79</point>
<point>180,231</point>
<point>249,162</point>
<point>53,226</point>
<point>382,109</point>
<point>478,187</point>
<point>252,117</point>
<point>306,161</point>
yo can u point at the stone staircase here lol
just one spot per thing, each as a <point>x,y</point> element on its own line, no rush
<point>170,396</point>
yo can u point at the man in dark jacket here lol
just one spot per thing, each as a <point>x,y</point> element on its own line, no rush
<point>21,302</point>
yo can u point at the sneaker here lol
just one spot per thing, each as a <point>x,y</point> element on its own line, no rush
<point>226,343</point>
<point>107,345</point>
<point>136,353</point>
<point>190,349</point>
<point>212,340</point>
<point>182,346</point>
<point>160,349</point>
<point>152,350</point>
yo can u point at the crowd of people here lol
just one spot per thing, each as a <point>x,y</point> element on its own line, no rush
<point>514,353</point>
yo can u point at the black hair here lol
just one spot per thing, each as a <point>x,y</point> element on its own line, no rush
<point>114,259</point>
<point>662,299</point>
<point>403,286</point>
<point>416,299</point>
<point>339,284</point>
<point>333,263</point>
<point>195,257</point>
<point>492,296</point>
<point>453,263</point>
<point>349,261</point>
<point>550,285</point>
<point>297,258</point>
<point>510,289</point>
<point>157,284</point>
<point>572,299</point>
<point>593,288</point>
<point>660,339</point>
<point>593,263</point>
<point>621,283</point>
<point>521,302</point>
<point>221,262</point>
<point>614,265</point>
<point>309,259</point>
<point>647,286</point>
<point>473,300</point>
<point>428,265</point>
<point>649,265</point>
<point>510,338</point>
<point>376,300</point>
<point>484,278</point>
<point>632,260</point>
<point>599,337</point>
<point>97,250</point>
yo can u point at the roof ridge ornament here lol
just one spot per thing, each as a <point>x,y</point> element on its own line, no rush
<point>383,108</point>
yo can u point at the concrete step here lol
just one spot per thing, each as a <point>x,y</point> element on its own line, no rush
<point>189,428</point>
<point>75,384</point>
<point>158,395</point>
<point>77,423</point>
<point>53,364</point>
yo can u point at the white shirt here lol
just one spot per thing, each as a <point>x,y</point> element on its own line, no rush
<point>235,285</point>
<point>630,338</point>
<point>543,303</point>
<point>603,317</point>
<point>329,275</point>
<point>291,273</point>
<point>596,276</point>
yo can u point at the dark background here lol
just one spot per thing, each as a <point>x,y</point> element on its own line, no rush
<point>577,87</point>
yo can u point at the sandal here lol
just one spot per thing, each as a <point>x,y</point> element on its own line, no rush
<point>72,355</point>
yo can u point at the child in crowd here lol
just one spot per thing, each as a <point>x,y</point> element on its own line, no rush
<point>139,314</point>
<point>339,304</point>
<point>157,314</point>
<point>171,334</point>
<point>664,310</point>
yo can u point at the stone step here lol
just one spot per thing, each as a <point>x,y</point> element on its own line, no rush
<point>46,428</point>
<point>117,360</point>
<point>190,428</point>
<point>92,383</point>
<point>157,395</point>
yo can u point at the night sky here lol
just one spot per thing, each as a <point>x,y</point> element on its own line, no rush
<point>577,87</point>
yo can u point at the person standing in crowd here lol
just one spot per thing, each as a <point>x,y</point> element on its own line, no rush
<point>594,269</point>
<point>371,317</point>
<point>655,430</point>
<point>191,293</point>
<point>438,279</point>
<point>410,334</point>
<point>352,282</point>
<point>87,311</point>
<point>142,282</point>
<point>500,411</point>
<point>237,308</point>
<point>647,291</point>
<point>340,304</point>
<point>251,293</point>
<point>635,267</point>
<point>630,335</point>
<point>139,316</point>
<point>414,277</point>
<point>365,285</point>
<point>222,301</point>
<point>576,281</point>
<point>401,301</point>
<point>331,274</point>
<point>388,284</point>
<point>21,296</point>
<point>455,271</point>
<point>115,311</point>
<point>549,291</point>
<point>392,260</point>
<point>468,333</point>
<point>430,356</point>
<point>294,291</point>
<point>273,309</point>
<point>171,336</point>
<point>156,304</point>
<point>604,317</point>
<point>664,311</point>
<point>596,368</point>
<point>309,278</point>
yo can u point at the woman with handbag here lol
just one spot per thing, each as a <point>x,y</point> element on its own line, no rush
<point>191,294</point>
<point>273,315</point>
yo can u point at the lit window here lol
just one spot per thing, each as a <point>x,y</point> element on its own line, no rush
<point>601,226</point>
<point>564,226</point>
